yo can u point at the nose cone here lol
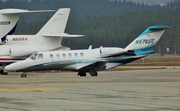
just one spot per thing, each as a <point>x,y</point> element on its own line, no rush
<point>8,68</point>
<point>12,67</point>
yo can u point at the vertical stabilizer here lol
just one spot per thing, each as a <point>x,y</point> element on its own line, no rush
<point>57,23</point>
<point>148,38</point>
<point>144,43</point>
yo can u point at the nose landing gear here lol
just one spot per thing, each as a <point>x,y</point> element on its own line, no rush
<point>24,75</point>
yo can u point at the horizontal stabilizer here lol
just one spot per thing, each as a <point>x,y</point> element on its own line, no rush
<point>161,27</point>
<point>61,35</point>
<point>21,11</point>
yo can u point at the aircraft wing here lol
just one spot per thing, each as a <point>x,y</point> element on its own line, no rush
<point>98,65</point>
<point>21,11</point>
<point>102,65</point>
<point>61,35</point>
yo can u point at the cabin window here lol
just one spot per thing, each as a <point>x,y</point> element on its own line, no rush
<point>57,55</point>
<point>64,55</point>
<point>70,55</point>
<point>51,56</point>
<point>40,56</point>
<point>75,54</point>
<point>81,54</point>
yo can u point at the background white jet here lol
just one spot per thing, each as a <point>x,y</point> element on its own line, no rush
<point>48,38</point>
<point>92,60</point>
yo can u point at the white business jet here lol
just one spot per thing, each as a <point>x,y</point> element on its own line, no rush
<point>91,60</point>
<point>9,19</point>
<point>49,37</point>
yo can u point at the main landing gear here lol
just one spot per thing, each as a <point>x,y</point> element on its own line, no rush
<point>82,74</point>
<point>24,75</point>
<point>2,71</point>
<point>91,72</point>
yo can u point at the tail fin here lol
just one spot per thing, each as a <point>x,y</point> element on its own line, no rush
<point>8,24</point>
<point>145,42</point>
<point>57,23</point>
<point>9,19</point>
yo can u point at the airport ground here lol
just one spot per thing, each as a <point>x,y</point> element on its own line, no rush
<point>134,88</point>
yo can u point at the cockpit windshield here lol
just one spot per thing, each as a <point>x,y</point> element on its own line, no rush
<point>33,56</point>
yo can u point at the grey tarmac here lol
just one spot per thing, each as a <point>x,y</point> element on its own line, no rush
<point>133,90</point>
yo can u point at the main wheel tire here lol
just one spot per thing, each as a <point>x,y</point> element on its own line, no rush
<point>82,74</point>
<point>93,73</point>
<point>3,72</point>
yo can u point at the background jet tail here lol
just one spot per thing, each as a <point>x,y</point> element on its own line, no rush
<point>8,25</point>
<point>9,19</point>
<point>145,42</point>
<point>52,33</point>
<point>57,23</point>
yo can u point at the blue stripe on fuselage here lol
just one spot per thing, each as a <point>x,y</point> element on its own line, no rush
<point>56,65</point>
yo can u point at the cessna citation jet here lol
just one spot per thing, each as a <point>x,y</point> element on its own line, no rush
<point>48,38</point>
<point>91,60</point>
<point>9,19</point>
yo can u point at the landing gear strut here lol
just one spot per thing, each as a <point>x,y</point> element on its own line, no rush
<point>24,75</point>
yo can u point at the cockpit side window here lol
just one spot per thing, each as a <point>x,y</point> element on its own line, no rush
<point>40,56</point>
<point>33,56</point>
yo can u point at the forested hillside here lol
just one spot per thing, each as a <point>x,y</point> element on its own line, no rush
<point>103,22</point>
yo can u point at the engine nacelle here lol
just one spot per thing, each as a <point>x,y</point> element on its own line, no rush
<point>20,52</point>
<point>111,51</point>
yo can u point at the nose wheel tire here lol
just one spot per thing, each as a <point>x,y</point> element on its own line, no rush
<point>24,75</point>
